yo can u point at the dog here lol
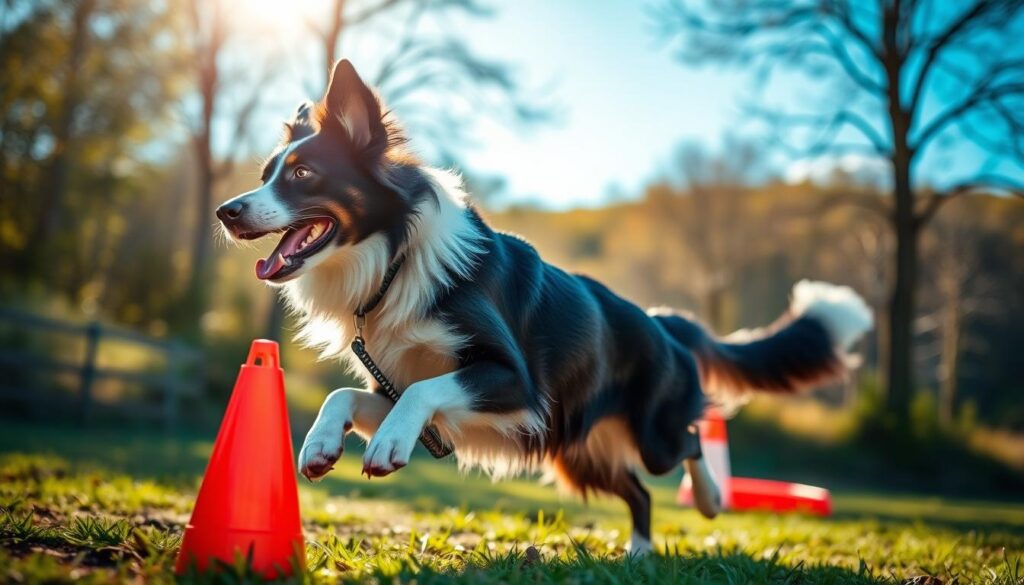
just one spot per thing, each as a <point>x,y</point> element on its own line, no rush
<point>515,364</point>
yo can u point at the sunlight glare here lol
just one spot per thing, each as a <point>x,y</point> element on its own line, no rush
<point>280,18</point>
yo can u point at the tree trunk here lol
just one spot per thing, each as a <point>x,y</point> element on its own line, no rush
<point>900,384</point>
<point>882,339</point>
<point>199,278</point>
<point>331,37</point>
<point>55,184</point>
<point>209,86</point>
<point>714,309</point>
<point>950,362</point>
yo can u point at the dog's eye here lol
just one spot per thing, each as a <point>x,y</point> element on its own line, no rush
<point>301,172</point>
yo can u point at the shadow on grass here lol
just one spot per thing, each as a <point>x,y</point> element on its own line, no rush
<point>582,566</point>
<point>674,567</point>
<point>427,485</point>
<point>993,529</point>
<point>142,452</point>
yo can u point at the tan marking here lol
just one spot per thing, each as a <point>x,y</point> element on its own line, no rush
<point>343,216</point>
<point>608,450</point>
<point>422,362</point>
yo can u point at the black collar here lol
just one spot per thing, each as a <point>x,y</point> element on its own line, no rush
<point>389,276</point>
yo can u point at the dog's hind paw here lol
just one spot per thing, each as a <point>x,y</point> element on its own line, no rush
<point>639,546</point>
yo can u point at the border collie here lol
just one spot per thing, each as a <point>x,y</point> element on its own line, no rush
<point>514,363</point>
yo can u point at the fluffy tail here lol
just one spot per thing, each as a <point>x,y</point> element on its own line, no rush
<point>806,347</point>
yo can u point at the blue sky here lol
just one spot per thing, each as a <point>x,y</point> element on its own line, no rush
<point>624,103</point>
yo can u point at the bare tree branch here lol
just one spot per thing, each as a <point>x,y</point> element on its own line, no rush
<point>840,9</point>
<point>243,119</point>
<point>371,12</point>
<point>979,96</point>
<point>866,201</point>
<point>830,128</point>
<point>842,55</point>
<point>409,42</point>
<point>980,183</point>
<point>896,34</point>
<point>940,42</point>
<point>422,59</point>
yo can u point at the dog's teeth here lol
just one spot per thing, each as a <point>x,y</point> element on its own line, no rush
<point>286,260</point>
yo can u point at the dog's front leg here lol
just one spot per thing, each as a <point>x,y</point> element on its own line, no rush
<point>392,445</point>
<point>344,410</point>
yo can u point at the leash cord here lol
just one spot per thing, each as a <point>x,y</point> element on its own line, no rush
<point>430,438</point>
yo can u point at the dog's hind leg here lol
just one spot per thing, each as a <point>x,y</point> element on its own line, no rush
<point>344,410</point>
<point>706,496</point>
<point>628,487</point>
<point>604,462</point>
<point>583,475</point>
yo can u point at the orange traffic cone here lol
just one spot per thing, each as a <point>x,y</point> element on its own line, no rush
<point>248,504</point>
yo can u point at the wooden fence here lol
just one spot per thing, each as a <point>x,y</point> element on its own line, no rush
<point>180,376</point>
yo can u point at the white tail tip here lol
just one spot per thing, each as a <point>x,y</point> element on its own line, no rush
<point>841,310</point>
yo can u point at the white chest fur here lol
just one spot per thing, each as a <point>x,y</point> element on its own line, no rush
<point>407,354</point>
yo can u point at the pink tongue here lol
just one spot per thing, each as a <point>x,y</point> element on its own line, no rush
<point>270,266</point>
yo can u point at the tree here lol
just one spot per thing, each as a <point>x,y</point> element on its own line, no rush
<point>965,293</point>
<point>717,229</point>
<point>418,63</point>
<point>210,29</point>
<point>56,184</point>
<point>90,88</point>
<point>888,59</point>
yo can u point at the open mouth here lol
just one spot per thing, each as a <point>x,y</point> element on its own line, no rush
<point>300,241</point>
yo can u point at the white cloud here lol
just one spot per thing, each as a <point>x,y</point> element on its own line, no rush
<point>824,169</point>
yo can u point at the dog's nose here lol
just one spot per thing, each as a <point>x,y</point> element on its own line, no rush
<point>230,211</point>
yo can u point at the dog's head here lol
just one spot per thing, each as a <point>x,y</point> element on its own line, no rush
<point>332,182</point>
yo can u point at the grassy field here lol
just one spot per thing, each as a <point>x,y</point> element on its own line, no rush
<point>110,505</point>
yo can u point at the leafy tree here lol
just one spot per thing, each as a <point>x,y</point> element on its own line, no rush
<point>86,87</point>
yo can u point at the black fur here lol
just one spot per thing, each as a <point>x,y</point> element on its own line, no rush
<point>573,352</point>
<point>790,356</point>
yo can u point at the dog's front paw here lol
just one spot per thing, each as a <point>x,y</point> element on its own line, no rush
<point>389,450</point>
<point>321,450</point>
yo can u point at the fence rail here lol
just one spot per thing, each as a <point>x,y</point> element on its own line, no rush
<point>173,381</point>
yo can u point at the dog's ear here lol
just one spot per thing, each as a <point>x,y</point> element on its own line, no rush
<point>352,107</point>
<point>301,125</point>
<point>303,112</point>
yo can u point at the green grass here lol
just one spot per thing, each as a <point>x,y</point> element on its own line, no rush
<point>108,505</point>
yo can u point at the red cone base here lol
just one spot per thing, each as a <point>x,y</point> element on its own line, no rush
<point>744,493</point>
<point>248,504</point>
<point>780,497</point>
